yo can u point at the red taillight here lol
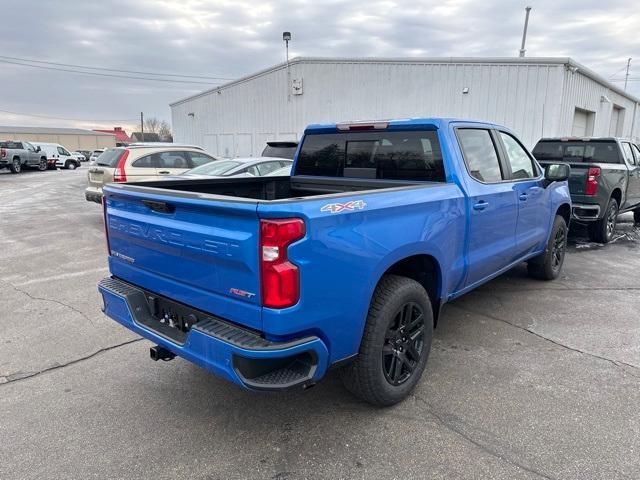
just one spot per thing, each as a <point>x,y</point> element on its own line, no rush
<point>120,175</point>
<point>3,153</point>
<point>591,185</point>
<point>280,279</point>
<point>106,224</point>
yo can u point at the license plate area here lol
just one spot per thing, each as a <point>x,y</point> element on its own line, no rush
<point>170,319</point>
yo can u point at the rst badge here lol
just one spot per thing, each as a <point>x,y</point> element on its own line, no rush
<point>341,207</point>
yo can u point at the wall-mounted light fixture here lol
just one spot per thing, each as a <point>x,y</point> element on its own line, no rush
<point>465,90</point>
<point>191,114</point>
<point>605,99</point>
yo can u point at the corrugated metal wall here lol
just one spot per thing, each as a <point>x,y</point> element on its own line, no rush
<point>240,118</point>
<point>584,93</point>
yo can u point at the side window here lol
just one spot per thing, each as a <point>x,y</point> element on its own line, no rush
<point>150,161</point>
<point>252,171</point>
<point>268,167</point>
<point>521,164</point>
<point>198,159</point>
<point>628,156</point>
<point>62,151</point>
<point>636,153</point>
<point>173,160</point>
<point>29,147</point>
<point>480,154</point>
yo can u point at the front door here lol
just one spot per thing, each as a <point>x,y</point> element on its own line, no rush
<point>528,183</point>
<point>633,187</point>
<point>493,205</point>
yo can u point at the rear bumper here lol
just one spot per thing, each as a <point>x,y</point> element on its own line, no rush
<point>225,349</point>
<point>93,195</point>
<point>585,212</point>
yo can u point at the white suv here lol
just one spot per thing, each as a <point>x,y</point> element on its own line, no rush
<point>136,163</point>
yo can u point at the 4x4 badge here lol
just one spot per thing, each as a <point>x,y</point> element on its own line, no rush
<point>340,207</point>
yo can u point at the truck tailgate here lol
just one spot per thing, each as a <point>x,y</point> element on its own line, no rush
<point>202,253</point>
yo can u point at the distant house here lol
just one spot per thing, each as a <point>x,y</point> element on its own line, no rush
<point>121,135</point>
<point>70,138</point>
<point>147,137</point>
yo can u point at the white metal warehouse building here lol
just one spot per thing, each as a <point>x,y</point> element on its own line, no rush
<point>535,97</point>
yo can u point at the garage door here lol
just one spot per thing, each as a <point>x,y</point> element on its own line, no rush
<point>614,126</point>
<point>580,118</point>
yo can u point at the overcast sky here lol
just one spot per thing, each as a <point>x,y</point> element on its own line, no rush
<point>219,38</point>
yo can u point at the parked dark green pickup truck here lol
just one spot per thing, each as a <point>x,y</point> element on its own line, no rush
<point>604,181</point>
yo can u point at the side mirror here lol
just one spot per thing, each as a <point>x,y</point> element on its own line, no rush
<point>38,149</point>
<point>556,172</point>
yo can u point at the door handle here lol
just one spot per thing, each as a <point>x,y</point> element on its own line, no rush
<point>523,197</point>
<point>481,205</point>
<point>164,172</point>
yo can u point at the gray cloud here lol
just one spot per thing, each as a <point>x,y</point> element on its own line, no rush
<point>233,38</point>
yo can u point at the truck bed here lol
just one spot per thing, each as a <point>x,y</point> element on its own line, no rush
<point>268,188</point>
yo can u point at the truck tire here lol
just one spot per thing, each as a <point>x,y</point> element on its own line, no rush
<point>602,230</point>
<point>395,343</point>
<point>15,166</point>
<point>548,265</point>
<point>42,165</point>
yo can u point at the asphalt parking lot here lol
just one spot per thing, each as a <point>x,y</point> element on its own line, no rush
<point>526,379</point>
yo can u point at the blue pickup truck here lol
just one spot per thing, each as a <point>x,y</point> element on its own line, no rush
<point>270,281</point>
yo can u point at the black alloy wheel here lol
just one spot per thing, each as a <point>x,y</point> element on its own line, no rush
<point>403,344</point>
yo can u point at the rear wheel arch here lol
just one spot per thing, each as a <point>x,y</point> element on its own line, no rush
<point>617,194</point>
<point>424,269</point>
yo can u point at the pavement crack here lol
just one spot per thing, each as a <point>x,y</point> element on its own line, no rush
<point>19,376</point>
<point>483,447</point>
<point>44,299</point>
<point>616,363</point>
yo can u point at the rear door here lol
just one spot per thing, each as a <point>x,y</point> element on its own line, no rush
<point>493,208</point>
<point>533,215</point>
<point>203,253</point>
<point>172,163</point>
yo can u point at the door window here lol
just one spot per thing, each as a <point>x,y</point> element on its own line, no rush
<point>150,161</point>
<point>521,164</point>
<point>480,155</point>
<point>29,147</point>
<point>198,159</point>
<point>636,153</point>
<point>268,167</point>
<point>626,151</point>
<point>63,151</point>
<point>173,160</point>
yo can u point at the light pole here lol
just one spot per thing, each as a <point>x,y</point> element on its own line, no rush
<point>524,32</point>
<point>286,37</point>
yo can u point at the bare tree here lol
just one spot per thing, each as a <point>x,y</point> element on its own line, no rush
<point>151,125</point>
<point>161,127</point>
<point>164,130</point>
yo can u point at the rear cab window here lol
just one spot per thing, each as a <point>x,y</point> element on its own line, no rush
<point>580,151</point>
<point>389,155</point>
<point>11,145</point>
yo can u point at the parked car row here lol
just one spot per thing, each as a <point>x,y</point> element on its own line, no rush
<point>146,162</point>
<point>18,154</point>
